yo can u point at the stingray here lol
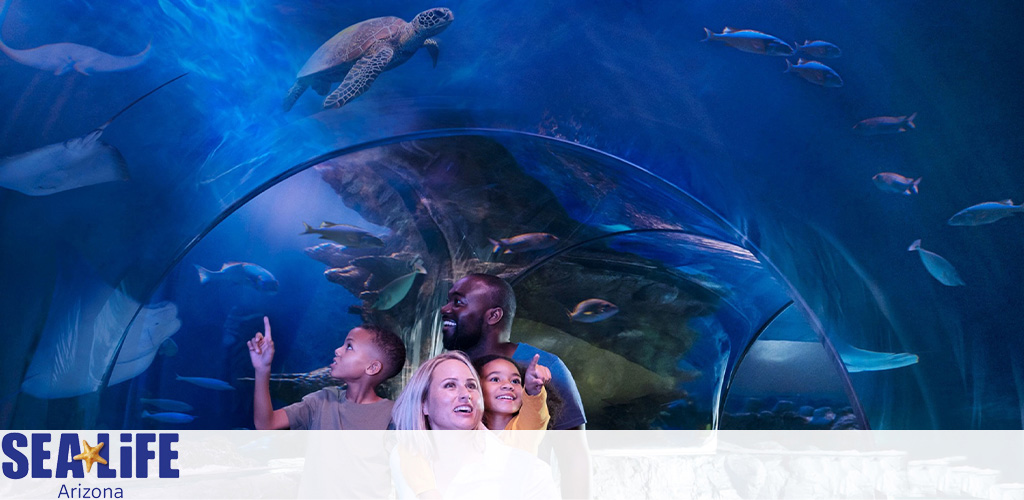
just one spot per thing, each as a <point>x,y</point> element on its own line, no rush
<point>63,57</point>
<point>86,321</point>
<point>74,163</point>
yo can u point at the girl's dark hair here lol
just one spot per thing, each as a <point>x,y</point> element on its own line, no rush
<point>554,399</point>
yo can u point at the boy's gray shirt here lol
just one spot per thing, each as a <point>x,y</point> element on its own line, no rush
<point>327,409</point>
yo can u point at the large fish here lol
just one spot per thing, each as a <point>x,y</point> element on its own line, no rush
<point>245,273</point>
<point>61,58</point>
<point>937,266</point>
<point>819,48</point>
<point>751,41</point>
<point>985,213</point>
<point>885,125</point>
<point>896,183</point>
<point>394,292</point>
<point>74,163</point>
<point>815,72</point>
<point>344,234</point>
<point>523,243</point>
<point>592,311</point>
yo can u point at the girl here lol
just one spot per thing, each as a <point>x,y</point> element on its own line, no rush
<point>513,400</point>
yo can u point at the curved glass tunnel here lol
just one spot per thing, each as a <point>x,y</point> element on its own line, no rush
<point>211,157</point>
<point>690,298</point>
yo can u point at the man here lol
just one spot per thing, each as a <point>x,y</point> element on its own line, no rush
<point>478,320</point>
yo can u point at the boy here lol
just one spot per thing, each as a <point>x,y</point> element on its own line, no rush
<point>369,356</point>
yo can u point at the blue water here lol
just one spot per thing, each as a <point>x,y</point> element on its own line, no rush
<point>765,161</point>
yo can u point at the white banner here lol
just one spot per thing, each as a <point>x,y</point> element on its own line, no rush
<point>477,464</point>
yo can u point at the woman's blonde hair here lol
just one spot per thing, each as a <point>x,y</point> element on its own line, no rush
<point>407,414</point>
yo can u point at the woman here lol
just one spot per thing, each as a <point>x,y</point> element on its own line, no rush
<point>444,394</point>
<point>446,386</point>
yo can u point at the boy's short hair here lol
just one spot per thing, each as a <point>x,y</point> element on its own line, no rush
<point>392,349</point>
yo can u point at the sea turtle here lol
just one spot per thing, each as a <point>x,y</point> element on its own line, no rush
<point>360,52</point>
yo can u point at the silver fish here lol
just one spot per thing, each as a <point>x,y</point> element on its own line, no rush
<point>885,125</point>
<point>74,163</point>
<point>344,234</point>
<point>245,273</point>
<point>819,48</point>
<point>168,417</point>
<point>985,213</point>
<point>592,311</point>
<point>207,383</point>
<point>751,41</point>
<point>394,292</point>
<point>523,243</point>
<point>815,72</point>
<point>937,266</point>
<point>167,404</point>
<point>896,183</point>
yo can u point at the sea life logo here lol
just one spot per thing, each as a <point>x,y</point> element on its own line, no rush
<point>44,455</point>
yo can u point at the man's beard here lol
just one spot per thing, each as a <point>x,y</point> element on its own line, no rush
<point>459,341</point>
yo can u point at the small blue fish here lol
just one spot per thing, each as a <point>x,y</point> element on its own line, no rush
<point>344,234</point>
<point>885,125</point>
<point>751,41</point>
<point>167,404</point>
<point>208,383</point>
<point>985,213</point>
<point>592,311</point>
<point>937,266</point>
<point>819,48</point>
<point>896,183</point>
<point>523,243</point>
<point>815,72</point>
<point>168,417</point>
<point>245,273</point>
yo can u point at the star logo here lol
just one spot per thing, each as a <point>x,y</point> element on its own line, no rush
<point>90,455</point>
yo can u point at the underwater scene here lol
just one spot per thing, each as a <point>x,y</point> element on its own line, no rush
<point>719,215</point>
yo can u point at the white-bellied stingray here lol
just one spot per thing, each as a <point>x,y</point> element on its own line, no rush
<point>85,324</point>
<point>74,163</point>
<point>63,57</point>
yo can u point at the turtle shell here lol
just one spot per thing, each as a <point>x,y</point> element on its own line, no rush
<point>351,43</point>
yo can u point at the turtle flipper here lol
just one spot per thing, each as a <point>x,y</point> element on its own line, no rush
<point>431,45</point>
<point>293,95</point>
<point>359,78</point>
